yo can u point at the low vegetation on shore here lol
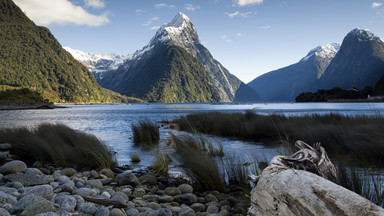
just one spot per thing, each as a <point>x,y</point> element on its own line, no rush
<point>358,137</point>
<point>145,132</point>
<point>57,144</point>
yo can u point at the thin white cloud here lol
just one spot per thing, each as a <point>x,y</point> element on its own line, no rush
<point>226,38</point>
<point>240,35</point>
<point>242,3</point>
<point>98,4</point>
<point>60,12</point>
<point>139,11</point>
<point>265,27</point>
<point>376,4</point>
<point>149,22</point>
<point>238,13</point>
<point>192,7</point>
<point>155,27</point>
<point>163,5</point>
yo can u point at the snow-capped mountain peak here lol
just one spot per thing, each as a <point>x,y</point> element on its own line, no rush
<point>327,51</point>
<point>363,35</point>
<point>179,21</point>
<point>98,63</point>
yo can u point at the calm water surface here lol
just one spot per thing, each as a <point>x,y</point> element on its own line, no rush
<point>112,123</point>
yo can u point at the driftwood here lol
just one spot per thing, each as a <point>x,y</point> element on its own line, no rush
<point>105,202</point>
<point>300,185</point>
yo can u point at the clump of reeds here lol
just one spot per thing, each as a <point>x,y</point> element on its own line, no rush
<point>160,165</point>
<point>135,158</point>
<point>358,136</point>
<point>145,132</point>
<point>59,144</point>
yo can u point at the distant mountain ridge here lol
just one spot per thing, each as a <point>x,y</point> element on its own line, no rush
<point>357,63</point>
<point>286,83</point>
<point>31,57</point>
<point>182,34</point>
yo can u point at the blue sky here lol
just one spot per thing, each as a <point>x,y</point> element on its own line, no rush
<point>249,37</point>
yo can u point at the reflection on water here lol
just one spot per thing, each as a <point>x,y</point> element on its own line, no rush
<point>112,123</point>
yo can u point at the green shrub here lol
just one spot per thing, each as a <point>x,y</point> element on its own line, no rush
<point>59,144</point>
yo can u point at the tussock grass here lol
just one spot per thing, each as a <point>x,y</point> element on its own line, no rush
<point>59,144</point>
<point>160,165</point>
<point>135,158</point>
<point>360,137</point>
<point>145,132</point>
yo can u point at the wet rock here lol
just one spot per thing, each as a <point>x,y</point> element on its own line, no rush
<point>120,197</point>
<point>14,166</point>
<point>187,199</point>
<point>29,179</point>
<point>127,178</point>
<point>212,209</point>
<point>47,214</point>
<point>5,147</point>
<point>186,211</point>
<point>139,192</point>
<point>24,202</point>
<point>153,205</point>
<point>7,198</point>
<point>166,199</point>
<point>95,183</point>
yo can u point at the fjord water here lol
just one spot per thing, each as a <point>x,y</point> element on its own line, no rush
<point>112,123</point>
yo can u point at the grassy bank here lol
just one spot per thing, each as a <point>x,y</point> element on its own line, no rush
<point>58,144</point>
<point>359,137</point>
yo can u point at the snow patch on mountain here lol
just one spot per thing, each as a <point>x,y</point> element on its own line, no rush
<point>325,52</point>
<point>363,35</point>
<point>98,63</point>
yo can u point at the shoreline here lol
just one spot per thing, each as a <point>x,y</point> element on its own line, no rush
<point>30,106</point>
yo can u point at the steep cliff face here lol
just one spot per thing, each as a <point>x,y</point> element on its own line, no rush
<point>359,63</point>
<point>286,83</point>
<point>182,34</point>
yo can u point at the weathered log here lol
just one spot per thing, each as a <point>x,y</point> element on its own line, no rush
<point>282,191</point>
<point>105,202</point>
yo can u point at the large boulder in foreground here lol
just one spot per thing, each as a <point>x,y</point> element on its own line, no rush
<point>284,191</point>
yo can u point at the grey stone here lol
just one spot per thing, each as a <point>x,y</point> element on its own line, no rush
<point>38,208</point>
<point>161,212</point>
<point>132,212</point>
<point>94,183</point>
<point>45,191</point>
<point>143,209</point>
<point>106,195</point>
<point>127,191</point>
<point>153,205</point>
<point>47,214</point>
<point>14,184</point>
<point>140,202</point>
<point>24,202</point>
<point>139,192</point>
<point>8,190</point>
<point>5,146</point>
<point>172,191</point>
<point>210,198</point>
<point>166,198</point>
<point>87,208</point>
<point>187,199</point>
<point>68,172</point>
<point>68,187</point>
<point>63,179</point>
<point>186,211</point>
<point>13,167</point>
<point>107,172</point>
<point>120,197</point>
<point>66,202</point>
<point>127,178</point>
<point>106,181</point>
<point>117,212</point>
<point>185,188</point>
<point>198,207</point>
<point>33,171</point>
<point>86,192</point>
<point>7,198</point>
<point>104,211</point>
<point>4,212</point>
<point>148,179</point>
<point>151,198</point>
<point>29,179</point>
<point>212,209</point>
